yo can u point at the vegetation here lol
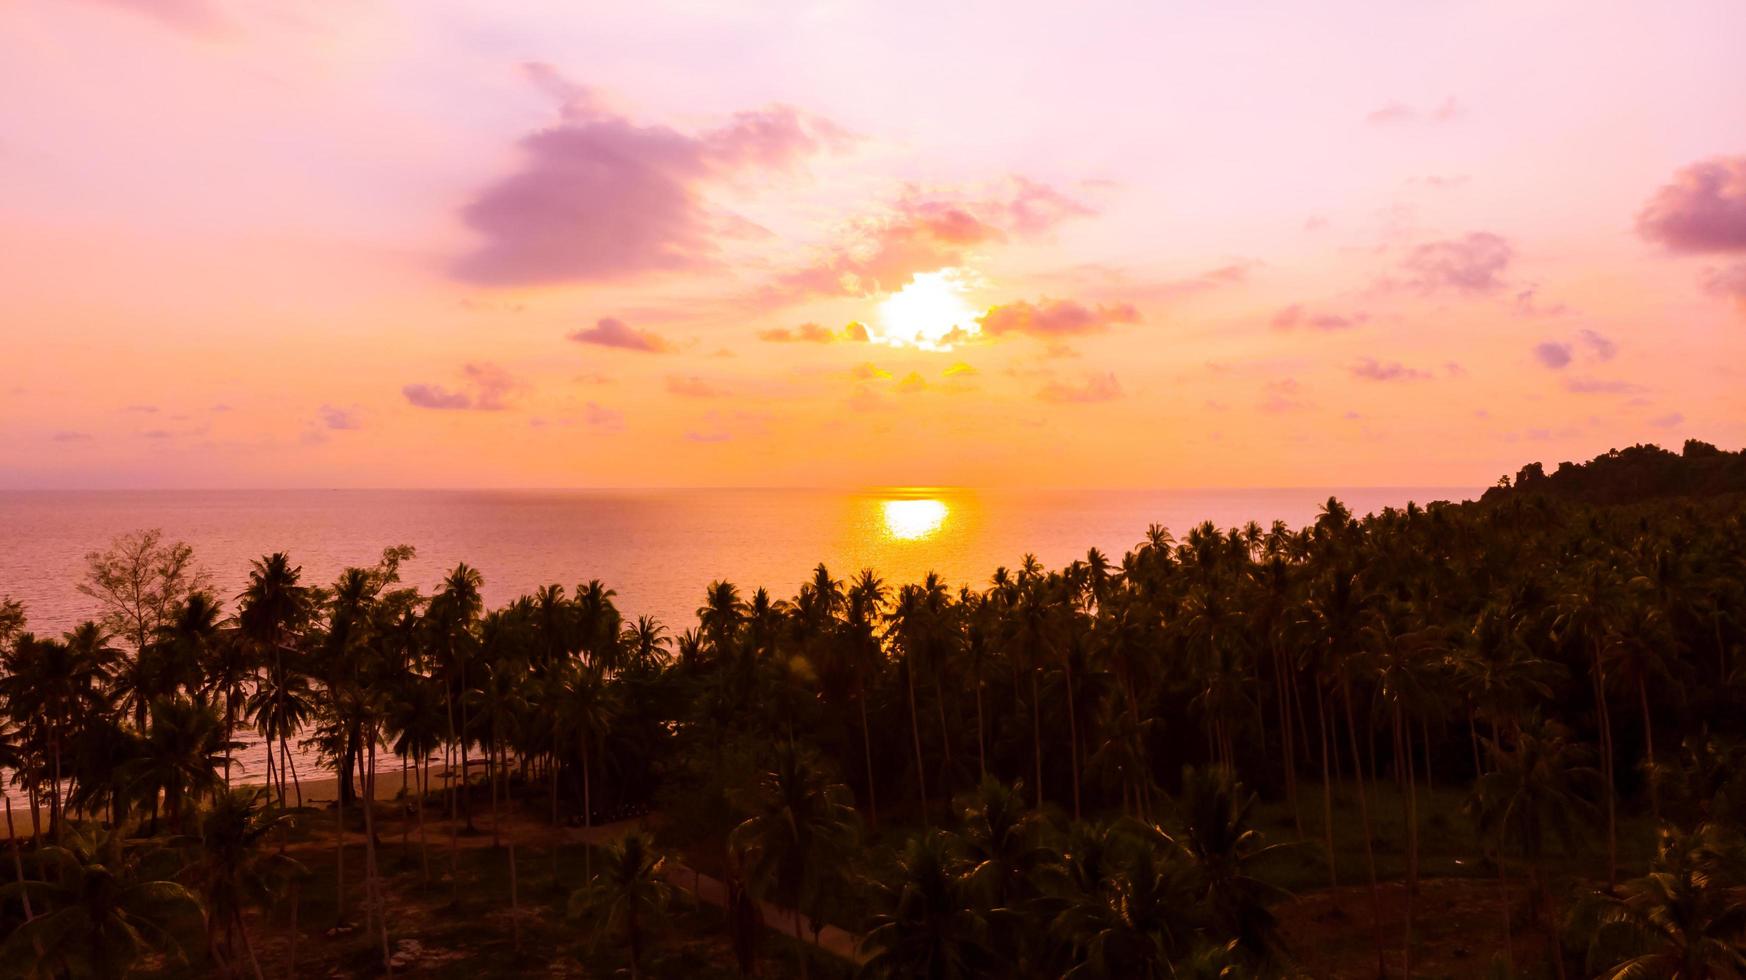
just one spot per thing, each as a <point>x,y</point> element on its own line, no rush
<point>1060,773</point>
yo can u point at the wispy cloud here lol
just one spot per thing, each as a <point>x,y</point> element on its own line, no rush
<point>1096,388</point>
<point>1370,369</point>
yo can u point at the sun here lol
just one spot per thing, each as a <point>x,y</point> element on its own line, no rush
<point>913,520</point>
<point>930,313</point>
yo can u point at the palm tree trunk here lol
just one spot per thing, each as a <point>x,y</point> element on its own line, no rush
<point>1606,726</point>
<point>915,730</point>
<point>867,757</point>
<point>1364,813</point>
<point>242,931</point>
<point>1037,733</point>
<point>372,874</point>
<point>339,847</point>
<point>1327,790</point>
<point>291,955</point>
<point>423,842</point>
<point>1649,747</point>
<point>1473,740</point>
<point>981,747</point>
<point>1072,731</point>
<point>17,858</point>
<point>1503,884</point>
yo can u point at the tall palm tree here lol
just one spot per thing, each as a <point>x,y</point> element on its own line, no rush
<point>1685,919</point>
<point>181,759</point>
<point>102,910</point>
<point>48,686</point>
<point>231,872</point>
<point>1538,789</point>
<point>802,825</point>
<point>629,899</point>
<point>925,923</point>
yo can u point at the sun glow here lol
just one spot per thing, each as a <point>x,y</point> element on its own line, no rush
<point>929,313</point>
<point>912,520</point>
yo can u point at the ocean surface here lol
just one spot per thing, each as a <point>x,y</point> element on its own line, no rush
<point>658,549</point>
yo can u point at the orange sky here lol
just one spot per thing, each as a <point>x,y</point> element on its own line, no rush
<point>265,243</point>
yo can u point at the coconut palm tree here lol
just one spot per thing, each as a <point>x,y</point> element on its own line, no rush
<point>1685,919</point>
<point>628,900</point>
<point>102,910</point>
<point>1539,789</point>
<point>48,686</point>
<point>802,825</point>
<point>925,923</point>
<point>231,872</point>
<point>181,759</point>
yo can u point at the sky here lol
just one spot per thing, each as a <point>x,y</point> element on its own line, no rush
<point>424,243</point>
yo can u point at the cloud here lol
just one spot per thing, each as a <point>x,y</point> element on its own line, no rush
<point>66,435</point>
<point>1400,113</point>
<point>1596,386</point>
<point>959,370</point>
<point>1474,263</point>
<point>716,435</point>
<point>191,16</point>
<point>1670,421</point>
<point>1097,388</point>
<point>610,332</point>
<point>599,197</point>
<point>1728,282</point>
<point>812,333</point>
<point>693,386</point>
<point>345,419</point>
<point>1370,369</point>
<point>1601,347</point>
<point>490,384</point>
<point>435,396</point>
<point>925,230</point>
<point>602,417</point>
<point>1283,395</point>
<point>912,382</point>
<point>1702,210</point>
<point>1054,318</point>
<point>1295,315</point>
<point>1527,304</point>
<point>868,371</point>
<point>1553,354</point>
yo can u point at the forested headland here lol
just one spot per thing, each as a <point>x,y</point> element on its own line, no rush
<point>1505,736</point>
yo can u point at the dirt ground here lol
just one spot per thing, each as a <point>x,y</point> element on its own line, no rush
<point>1459,924</point>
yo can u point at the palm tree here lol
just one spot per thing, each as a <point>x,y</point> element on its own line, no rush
<point>102,910</point>
<point>49,686</point>
<point>1124,907</point>
<point>1685,919</point>
<point>1222,846</point>
<point>270,612</point>
<point>452,618</point>
<point>628,900</point>
<point>231,872</point>
<point>926,925</point>
<point>802,826</point>
<point>181,759</point>
<point>1538,789</point>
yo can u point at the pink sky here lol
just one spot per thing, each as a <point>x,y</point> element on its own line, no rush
<point>270,243</point>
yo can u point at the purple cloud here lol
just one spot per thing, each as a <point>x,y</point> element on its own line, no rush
<point>1474,263</point>
<point>66,435</point>
<point>610,332</point>
<point>1553,354</point>
<point>693,387</point>
<point>1728,282</point>
<point>192,16</point>
<point>1371,369</point>
<point>339,418</point>
<point>491,386</point>
<point>1669,421</point>
<point>1097,388</point>
<point>599,197</point>
<point>1295,315</point>
<point>1596,386</point>
<point>1055,318</point>
<point>436,396</point>
<point>1702,210</point>
<point>1601,347</point>
<point>812,333</point>
<point>1397,113</point>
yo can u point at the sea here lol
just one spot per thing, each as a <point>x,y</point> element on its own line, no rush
<point>657,549</point>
